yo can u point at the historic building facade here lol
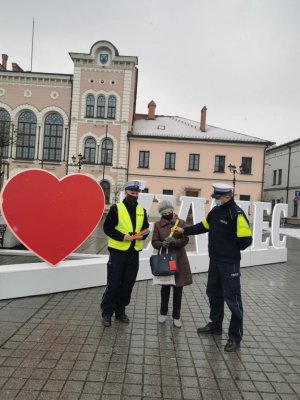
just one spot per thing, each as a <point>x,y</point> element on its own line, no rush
<point>70,123</point>
<point>282,178</point>
<point>86,122</point>
<point>181,157</point>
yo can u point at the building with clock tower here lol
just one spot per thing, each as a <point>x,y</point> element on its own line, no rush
<point>70,123</point>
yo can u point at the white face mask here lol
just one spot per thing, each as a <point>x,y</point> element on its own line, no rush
<point>218,202</point>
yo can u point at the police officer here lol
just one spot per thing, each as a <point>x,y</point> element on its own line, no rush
<point>122,222</point>
<point>228,234</point>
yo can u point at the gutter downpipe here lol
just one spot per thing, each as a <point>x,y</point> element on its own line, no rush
<point>263,177</point>
<point>288,176</point>
<point>69,133</point>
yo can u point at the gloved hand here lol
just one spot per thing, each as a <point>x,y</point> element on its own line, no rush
<point>169,241</point>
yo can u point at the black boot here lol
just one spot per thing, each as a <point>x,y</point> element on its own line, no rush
<point>209,328</point>
<point>122,318</point>
<point>231,346</point>
<point>106,320</point>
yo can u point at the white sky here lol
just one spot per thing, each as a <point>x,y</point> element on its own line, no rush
<point>240,58</point>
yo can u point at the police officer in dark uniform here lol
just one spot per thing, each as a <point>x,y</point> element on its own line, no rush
<point>123,220</point>
<point>228,234</point>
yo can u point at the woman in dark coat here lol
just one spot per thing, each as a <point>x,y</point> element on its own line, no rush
<point>175,244</point>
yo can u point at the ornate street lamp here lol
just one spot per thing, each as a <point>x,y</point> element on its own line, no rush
<point>78,162</point>
<point>233,170</point>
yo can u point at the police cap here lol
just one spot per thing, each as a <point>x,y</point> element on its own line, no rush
<point>137,186</point>
<point>221,189</point>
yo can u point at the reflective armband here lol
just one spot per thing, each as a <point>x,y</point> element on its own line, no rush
<point>205,224</point>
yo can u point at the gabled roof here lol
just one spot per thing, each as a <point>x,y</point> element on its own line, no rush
<point>287,144</point>
<point>172,127</point>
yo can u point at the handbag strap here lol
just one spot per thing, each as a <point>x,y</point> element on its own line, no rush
<point>174,227</point>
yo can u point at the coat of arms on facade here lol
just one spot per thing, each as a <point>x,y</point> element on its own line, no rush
<point>103,57</point>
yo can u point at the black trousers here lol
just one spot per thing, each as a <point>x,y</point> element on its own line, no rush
<point>122,269</point>
<point>165,295</point>
<point>224,285</point>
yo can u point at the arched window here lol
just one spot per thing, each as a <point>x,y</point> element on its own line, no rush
<point>53,136</point>
<point>107,152</point>
<point>90,104</point>
<point>106,189</point>
<point>101,107</point>
<point>4,132</point>
<point>90,151</point>
<point>26,135</point>
<point>111,110</point>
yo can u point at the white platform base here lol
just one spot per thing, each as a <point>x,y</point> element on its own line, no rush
<point>20,280</point>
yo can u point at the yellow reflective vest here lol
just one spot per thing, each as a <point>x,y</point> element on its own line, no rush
<point>125,226</point>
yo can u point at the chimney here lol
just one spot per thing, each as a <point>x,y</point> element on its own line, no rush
<point>151,110</point>
<point>203,119</point>
<point>16,67</point>
<point>4,60</point>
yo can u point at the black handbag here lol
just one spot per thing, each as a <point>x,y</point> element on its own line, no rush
<point>163,264</point>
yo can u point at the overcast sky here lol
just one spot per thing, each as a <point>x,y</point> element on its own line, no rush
<point>240,58</point>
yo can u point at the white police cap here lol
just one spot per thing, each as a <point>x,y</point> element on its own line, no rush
<point>134,185</point>
<point>221,189</point>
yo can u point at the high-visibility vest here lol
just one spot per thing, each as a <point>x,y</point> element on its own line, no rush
<point>125,226</point>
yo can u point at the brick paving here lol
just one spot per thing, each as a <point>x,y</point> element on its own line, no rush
<point>54,346</point>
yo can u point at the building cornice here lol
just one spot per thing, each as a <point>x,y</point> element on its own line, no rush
<point>35,77</point>
<point>131,136</point>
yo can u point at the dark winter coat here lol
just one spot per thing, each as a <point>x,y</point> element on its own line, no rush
<point>227,233</point>
<point>162,229</point>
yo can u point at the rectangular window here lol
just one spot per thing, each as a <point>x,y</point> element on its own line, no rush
<point>279,176</point>
<point>295,214</point>
<point>245,197</point>
<point>144,159</point>
<point>219,164</point>
<point>192,193</point>
<point>274,177</point>
<point>167,191</point>
<point>246,165</point>
<point>170,160</point>
<point>194,162</point>
<point>146,190</point>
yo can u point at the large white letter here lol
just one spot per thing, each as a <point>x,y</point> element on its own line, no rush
<point>197,204</point>
<point>275,235</point>
<point>259,225</point>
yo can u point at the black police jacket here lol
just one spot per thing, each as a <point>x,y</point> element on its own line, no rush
<point>228,232</point>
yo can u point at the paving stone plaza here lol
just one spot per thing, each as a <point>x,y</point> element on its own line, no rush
<point>55,347</point>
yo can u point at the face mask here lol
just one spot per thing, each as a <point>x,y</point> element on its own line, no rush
<point>131,199</point>
<point>218,202</point>
<point>168,216</point>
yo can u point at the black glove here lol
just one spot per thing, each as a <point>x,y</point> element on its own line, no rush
<point>165,244</point>
<point>169,241</point>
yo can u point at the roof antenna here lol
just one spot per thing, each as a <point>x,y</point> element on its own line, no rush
<point>32,44</point>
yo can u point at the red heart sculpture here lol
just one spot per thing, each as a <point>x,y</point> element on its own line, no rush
<point>51,216</point>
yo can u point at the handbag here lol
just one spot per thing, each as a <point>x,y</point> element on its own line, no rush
<point>163,264</point>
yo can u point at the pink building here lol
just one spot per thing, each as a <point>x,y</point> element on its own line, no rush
<point>58,117</point>
<point>180,157</point>
<point>86,122</point>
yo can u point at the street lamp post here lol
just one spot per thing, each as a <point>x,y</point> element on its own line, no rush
<point>234,171</point>
<point>79,163</point>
